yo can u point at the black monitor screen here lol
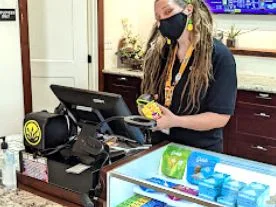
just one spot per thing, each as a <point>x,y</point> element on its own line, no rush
<point>83,104</point>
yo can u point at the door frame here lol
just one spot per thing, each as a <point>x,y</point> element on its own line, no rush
<point>25,50</point>
<point>25,55</point>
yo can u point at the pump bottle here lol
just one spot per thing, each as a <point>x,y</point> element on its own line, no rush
<point>9,166</point>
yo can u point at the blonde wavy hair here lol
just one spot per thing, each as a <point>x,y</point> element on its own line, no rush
<point>201,70</point>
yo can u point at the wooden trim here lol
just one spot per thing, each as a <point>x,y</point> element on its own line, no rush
<point>254,52</point>
<point>25,55</point>
<point>101,42</point>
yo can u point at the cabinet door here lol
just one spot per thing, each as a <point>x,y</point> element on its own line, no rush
<point>128,87</point>
<point>256,120</point>
<point>129,95</point>
<point>251,132</point>
<point>58,48</point>
<point>254,148</point>
<point>256,98</point>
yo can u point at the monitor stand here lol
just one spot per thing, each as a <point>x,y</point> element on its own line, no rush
<point>104,128</point>
<point>87,147</point>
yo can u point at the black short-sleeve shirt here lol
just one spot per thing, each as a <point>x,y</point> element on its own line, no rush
<point>220,98</point>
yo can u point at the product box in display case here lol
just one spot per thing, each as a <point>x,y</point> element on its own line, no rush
<point>176,175</point>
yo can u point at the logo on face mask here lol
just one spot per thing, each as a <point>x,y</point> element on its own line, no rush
<point>174,26</point>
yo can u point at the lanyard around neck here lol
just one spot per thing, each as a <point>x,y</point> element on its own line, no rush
<point>169,88</point>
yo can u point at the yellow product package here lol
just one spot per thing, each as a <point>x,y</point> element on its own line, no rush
<point>148,106</point>
<point>151,110</point>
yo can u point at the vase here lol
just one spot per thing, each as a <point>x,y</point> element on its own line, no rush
<point>231,42</point>
<point>133,63</point>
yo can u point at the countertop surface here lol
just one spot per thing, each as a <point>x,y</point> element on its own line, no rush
<point>124,72</point>
<point>259,83</point>
<point>20,198</point>
<point>246,80</point>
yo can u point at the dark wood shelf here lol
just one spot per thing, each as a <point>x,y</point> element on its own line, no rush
<point>254,52</point>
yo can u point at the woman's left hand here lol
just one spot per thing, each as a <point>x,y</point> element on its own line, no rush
<point>167,119</point>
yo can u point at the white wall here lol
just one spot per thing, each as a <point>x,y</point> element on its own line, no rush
<point>264,37</point>
<point>11,90</point>
<point>140,14</point>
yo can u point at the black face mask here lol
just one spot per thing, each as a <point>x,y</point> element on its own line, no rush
<point>174,26</point>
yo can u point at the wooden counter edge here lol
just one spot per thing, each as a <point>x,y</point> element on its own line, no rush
<point>254,52</point>
<point>106,169</point>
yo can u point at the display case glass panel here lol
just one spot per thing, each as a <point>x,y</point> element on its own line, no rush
<point>132,179</point>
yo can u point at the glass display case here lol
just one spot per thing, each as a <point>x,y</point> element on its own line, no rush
<point>208,179</point>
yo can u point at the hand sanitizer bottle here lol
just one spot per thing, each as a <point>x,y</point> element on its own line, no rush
<point>2,149</point>
<point>9,169</point>
<point>1,165</point>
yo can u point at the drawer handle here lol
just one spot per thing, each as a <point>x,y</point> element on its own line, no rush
<point>259,148</point>
<point>263,115</point>
<point>264,96</point>
<point>122,79</point>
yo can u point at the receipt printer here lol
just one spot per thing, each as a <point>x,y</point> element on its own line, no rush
<point>44,130</point>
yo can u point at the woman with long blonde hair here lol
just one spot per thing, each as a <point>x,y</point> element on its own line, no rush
<point>191,74</point>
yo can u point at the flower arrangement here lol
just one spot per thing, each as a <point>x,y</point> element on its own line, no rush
<point>130,48</point>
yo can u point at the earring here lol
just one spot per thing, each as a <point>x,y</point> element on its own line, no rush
<point>169,41</point>
<point>190,25</point>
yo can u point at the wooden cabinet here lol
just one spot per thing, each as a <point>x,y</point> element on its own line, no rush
<point>128,87</point>
<point>251,132</point>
